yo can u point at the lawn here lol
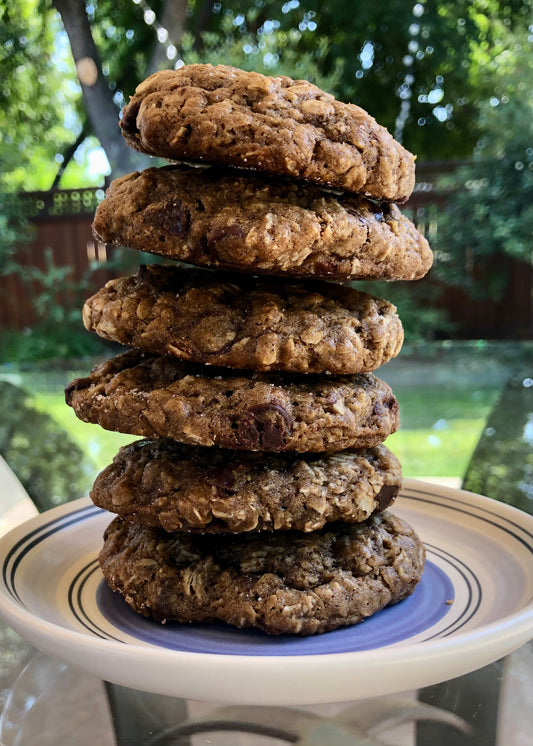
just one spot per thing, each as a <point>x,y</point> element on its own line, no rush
<point>439,431</point>
<point>98,444</point>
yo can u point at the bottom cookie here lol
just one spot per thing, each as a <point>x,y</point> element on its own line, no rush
<point>281,583</point>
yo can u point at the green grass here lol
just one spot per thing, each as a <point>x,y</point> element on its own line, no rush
<point>98,444</point>
<point>424,453</point>
<point>440,428</point>
<point>430,407</point>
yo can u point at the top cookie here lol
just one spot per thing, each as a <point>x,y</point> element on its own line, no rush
<point>277,125</point>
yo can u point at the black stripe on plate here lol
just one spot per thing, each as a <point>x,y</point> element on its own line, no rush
<point>17,553</point>
<point>462,509</point>
<point>75,601</point>
<point>463,570</point>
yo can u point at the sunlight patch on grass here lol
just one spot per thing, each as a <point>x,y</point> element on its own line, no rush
<point>436,453</point>
<point>100,445</point>
<point>427,444</point>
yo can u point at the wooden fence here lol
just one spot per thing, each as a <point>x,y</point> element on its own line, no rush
<point>62,226</point>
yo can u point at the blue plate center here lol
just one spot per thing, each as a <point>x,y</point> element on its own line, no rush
<point>424,608</point>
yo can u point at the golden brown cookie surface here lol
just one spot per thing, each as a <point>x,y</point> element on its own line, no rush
<point>179,487</point>
<point>152,395</point>
<point>275,125</point>
<point>226,219</point>
<point>246,322</point>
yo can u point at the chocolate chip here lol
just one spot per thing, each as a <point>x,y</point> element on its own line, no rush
<point>378,409</point>
<point>223,477</point>
<point>221,234</point>
<point>325,266</point>
<point>173,216</point>
<point>265,427</point>
<point>386,495</point>
<point>381,406</point>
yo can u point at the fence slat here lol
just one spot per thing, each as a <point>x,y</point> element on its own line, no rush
<point>62,220</point>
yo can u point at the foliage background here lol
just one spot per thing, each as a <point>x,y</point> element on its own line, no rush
<point>458,56</point>
<point>450,78</point>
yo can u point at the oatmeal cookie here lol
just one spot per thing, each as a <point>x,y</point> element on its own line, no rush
<point>224,218</point>
<point>276,125</point>
<point>288,582</point>
<point>179,487</point>
<point>246,322</point>
<point>151,395</point>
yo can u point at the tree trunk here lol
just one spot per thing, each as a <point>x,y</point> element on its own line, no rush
<point>173,20</point>
<point>203,17</point>
<point>97,96</point>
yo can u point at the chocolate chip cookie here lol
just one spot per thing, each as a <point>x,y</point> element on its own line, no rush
<point>287,582</point>
<point>228,219</point>
<point>276,125</point>
<point>246,322</point>
<point>152,395</point>
<point>179,487</point>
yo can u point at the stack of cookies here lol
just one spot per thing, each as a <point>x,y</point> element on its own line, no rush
<point>258,495</point>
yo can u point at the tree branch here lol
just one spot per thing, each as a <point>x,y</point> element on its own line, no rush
<point>68,155</point>
<point>255,25</point>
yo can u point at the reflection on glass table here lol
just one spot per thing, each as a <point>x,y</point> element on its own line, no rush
<point>44,701</point>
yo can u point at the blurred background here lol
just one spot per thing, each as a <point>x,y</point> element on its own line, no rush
<point>450,79</point>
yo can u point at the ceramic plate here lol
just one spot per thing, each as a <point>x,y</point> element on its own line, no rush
<point>473,605</point>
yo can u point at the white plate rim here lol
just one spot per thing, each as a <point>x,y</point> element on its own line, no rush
<point>379,665</point>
